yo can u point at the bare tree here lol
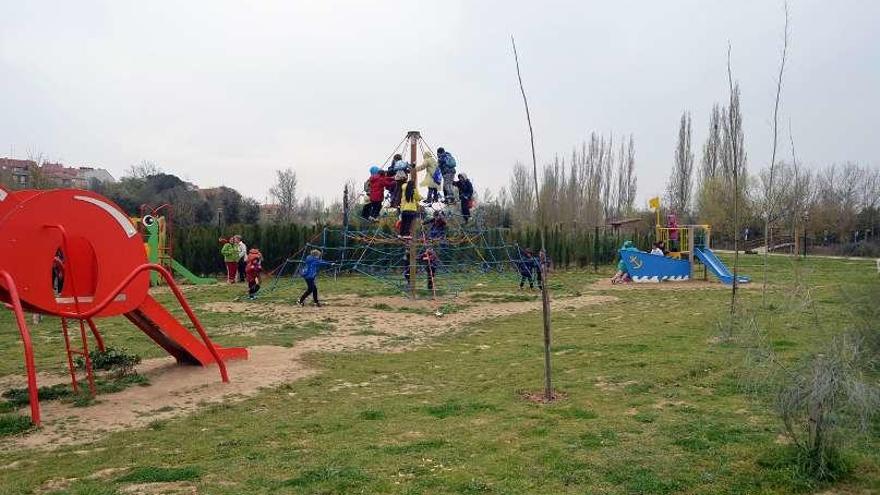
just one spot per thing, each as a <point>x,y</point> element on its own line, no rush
<point>768,189</point>
<point>545,294</point>
<point>734,135</point>
<point>681,181</point>
<point>733,153</point>
<point>37,177</point>
<point>312,209</point>
<point>522,194</point>
<point>143,170</point>
<point>606,173</point>
<point>581,191</point>
<point>284,193</point>
<point>625,190</point>
<point>630,181</point>
<point>712,150</point>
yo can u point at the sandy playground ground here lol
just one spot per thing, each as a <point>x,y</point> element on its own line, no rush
<point>355,324</point>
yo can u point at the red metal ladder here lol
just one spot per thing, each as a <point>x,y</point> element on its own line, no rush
<point>83,351</point>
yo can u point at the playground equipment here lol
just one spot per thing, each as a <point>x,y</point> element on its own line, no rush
<point>431,263</point>
<point>444,265</point>
<point>75,255</point>
<point>684,246</point>
<point>159,245</point>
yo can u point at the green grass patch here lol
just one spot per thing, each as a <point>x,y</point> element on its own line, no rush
<point>13,424</point>
<point>444,419</point>
<point>457,408</point>
<point>152,474</point>
<point>371,415</point>
<point>333,479</point>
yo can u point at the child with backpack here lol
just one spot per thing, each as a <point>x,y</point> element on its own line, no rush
<point>399,169</point>
<point>252,272</point>
<point>409,209</point>
<point>446,163</point>
<point>309,272</point>
<point>377,183</point>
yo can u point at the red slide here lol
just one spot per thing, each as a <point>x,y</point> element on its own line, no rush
<point>165,330</point>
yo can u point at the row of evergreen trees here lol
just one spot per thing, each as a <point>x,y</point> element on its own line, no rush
<point>198,247</point>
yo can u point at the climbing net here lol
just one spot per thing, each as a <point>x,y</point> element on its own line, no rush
<point>434,262</point>
<point>446,263</point>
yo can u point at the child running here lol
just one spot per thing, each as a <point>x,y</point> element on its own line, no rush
<point>252,272</point>
<point>309,272</point>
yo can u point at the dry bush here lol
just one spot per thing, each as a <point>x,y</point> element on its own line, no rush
<point>825,400</point>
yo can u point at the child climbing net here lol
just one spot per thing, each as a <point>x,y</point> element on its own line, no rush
<point>432,249</point>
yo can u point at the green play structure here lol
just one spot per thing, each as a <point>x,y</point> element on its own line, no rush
<point>158,246</point>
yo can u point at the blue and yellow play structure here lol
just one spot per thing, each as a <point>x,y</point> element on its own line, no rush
<point>685,246</point>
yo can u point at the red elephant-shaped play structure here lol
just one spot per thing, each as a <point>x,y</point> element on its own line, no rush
<point>76,255</point>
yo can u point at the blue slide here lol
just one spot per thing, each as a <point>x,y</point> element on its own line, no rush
<point>719,269</point>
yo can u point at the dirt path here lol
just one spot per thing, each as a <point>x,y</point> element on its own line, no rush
<point>357,324</point>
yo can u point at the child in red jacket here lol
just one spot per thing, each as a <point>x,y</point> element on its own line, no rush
<point>252,272</point>
<point>378,182</point>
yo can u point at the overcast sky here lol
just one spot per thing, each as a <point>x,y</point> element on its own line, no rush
<point>226,92</point>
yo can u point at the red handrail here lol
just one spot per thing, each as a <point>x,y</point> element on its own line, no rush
<point>15,301</point>
<point>177,294</point>
<point>168,279</point>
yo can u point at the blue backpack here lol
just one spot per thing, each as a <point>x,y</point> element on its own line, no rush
<point>438,175</point>
<point>447,162</point>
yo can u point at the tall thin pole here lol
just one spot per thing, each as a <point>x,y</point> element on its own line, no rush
<point>413,137</point>
<point>346,209</point>
<point>545,295</point>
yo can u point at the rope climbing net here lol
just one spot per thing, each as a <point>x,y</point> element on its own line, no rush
<point>446,262</point>
<point>447,253</point>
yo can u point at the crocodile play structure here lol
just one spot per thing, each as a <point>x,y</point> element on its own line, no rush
<point>75,255</point>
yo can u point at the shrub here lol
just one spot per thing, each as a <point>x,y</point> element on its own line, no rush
<point>115,360</point>
<point>823,397</point>
<point>13,424</point>
<point>18,397</point>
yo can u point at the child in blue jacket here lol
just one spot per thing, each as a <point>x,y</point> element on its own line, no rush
<point>526,265</point>
<point>309,272</point>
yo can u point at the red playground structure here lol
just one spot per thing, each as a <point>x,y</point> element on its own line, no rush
<point>76,255</point>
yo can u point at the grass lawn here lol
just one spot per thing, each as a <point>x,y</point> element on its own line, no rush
<point>654,404</point>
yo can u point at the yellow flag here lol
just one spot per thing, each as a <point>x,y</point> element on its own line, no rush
<point>654,203</point>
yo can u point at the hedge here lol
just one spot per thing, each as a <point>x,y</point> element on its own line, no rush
<point>198,248</point>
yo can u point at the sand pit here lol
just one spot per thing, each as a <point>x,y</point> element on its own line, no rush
<point>357,324</point>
